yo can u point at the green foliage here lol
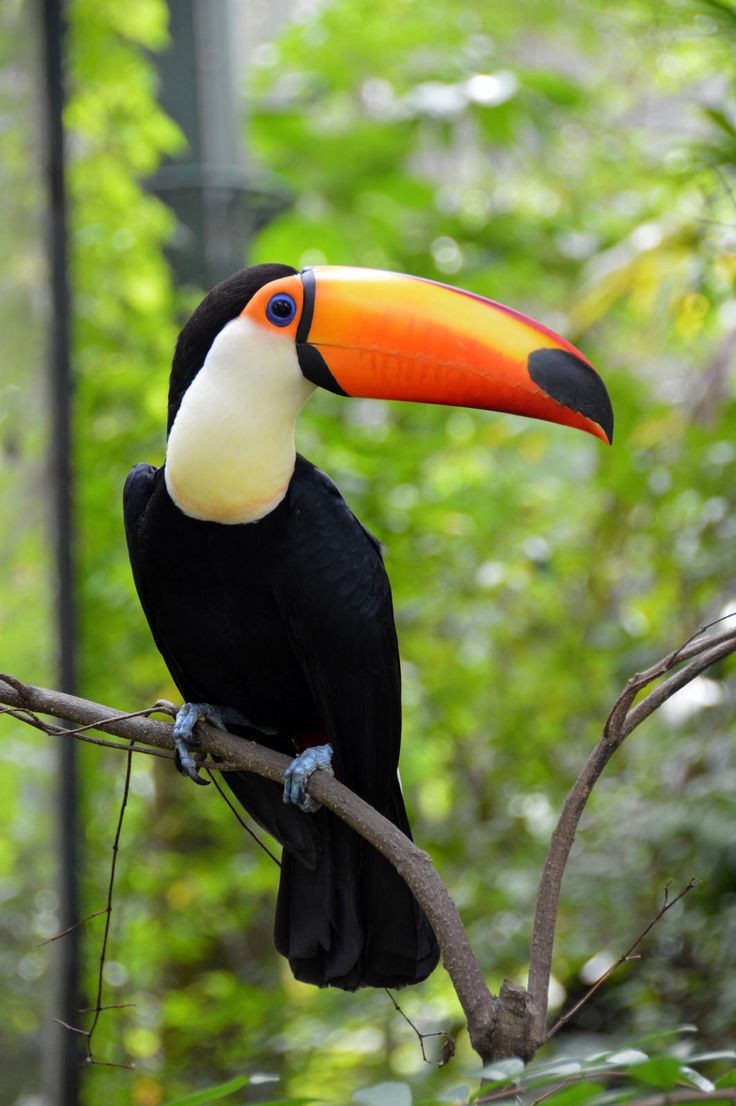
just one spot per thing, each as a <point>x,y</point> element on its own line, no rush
<point>603,1078</point>
<point>612,1076</point>
<point>575,160</point>
<point>212,1094</point>
<point>573,194</point>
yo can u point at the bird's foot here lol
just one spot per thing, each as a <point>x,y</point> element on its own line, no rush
<point>299,771</point>
<point>186,740</point>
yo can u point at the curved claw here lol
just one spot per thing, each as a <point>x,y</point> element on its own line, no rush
<point>186,739</point>
<point>186,719</point>
<point>186,765</point>
<point>299,771</point>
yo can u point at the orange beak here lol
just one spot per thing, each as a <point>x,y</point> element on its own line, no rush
<point>363,332</point>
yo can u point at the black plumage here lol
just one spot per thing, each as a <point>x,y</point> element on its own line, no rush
<point>289,620</point>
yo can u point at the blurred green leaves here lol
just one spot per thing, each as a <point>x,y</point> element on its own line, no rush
<point>573,159</point>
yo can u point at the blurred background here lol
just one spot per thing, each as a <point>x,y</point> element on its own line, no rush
<point>572,158</point>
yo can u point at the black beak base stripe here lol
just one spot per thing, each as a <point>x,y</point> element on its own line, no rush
<point>309,285</point>
<point>314,368</point>
<point>311,362</point>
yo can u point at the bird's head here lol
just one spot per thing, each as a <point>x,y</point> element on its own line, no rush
<point>263,339</point>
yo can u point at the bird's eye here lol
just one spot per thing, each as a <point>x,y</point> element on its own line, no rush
<point>280,309</point>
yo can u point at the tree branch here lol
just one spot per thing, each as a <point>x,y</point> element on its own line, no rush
<point>701,652</point>
<point>413,864</point>
<point>624,957</point>
<point>672,1098</point>
<point>512,1024</point>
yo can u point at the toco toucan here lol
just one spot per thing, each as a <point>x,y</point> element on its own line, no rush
<point>269,600</point>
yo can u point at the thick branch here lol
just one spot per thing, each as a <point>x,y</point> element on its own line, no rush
<point>701,652</point>
<point>479,1005</point>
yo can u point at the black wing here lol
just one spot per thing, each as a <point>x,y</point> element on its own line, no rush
<point>136,496</point>
<point>335,599</point>
<point>261,798</point>
<point>139,487</point>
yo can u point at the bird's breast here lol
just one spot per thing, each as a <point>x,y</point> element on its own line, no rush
<point>217,619</point>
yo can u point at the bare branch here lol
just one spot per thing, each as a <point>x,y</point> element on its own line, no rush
<point>92,1061</point>
<point>261,844</point>
<point>667,904</point>
<point>701,651</point>
<point>71,928</point>
<point>49,728</point>
<point>108,1006</point>
<point>448,1049</point>
<point>72,1028</point>
<point>413,864</point>
<point>98,1007</point>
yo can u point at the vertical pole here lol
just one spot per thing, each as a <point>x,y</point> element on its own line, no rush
<point>62,1054</point>
<point>217,203</point>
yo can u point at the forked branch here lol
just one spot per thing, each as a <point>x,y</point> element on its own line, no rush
<point>514,1023</point>
<point>701,651</point>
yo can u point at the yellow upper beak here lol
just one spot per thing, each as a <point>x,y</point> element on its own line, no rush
<point>364,332</point>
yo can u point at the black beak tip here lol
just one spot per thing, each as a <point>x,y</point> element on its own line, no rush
<point>571,381</point>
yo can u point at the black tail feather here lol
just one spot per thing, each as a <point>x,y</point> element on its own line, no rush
<point>344,916</point>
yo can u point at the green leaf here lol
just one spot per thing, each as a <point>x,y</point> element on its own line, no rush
<point>626,1057</point>
<point>556,1069</point>
<point>577,1094</point>
<point>456,1096</point>
<point>212,1094</point>
<point>727,1080</point>
<point>661,1071</point>
<point>384,1094</point>
<point>696,1079</point>
<point>724,9</point>
<point>288,1102</point>
<point>503,1071</point>
<point>679,1030</point>
<point>721,120</point>
<point>552,84</point>
<point>706,1057</point>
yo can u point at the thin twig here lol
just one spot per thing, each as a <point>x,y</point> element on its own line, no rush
<point>548,1094</point>
<point>626,956</point>
<point>422,1036</point>
<point>108,1006</point>
<point>108,907</point>
<point>72,1028</point>
<point>92,1060</point>
<point>672,1098</point>
<point>244,824</point>
<point>71,928</point>
<point>146,712</point>
<point>32,719</point>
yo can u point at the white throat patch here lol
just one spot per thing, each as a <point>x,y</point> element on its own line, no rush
<point>230,454</point>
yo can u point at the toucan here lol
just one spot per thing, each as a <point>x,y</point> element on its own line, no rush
<point>269,600</point>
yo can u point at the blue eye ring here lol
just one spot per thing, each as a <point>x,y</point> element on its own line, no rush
<point>281,309</point>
